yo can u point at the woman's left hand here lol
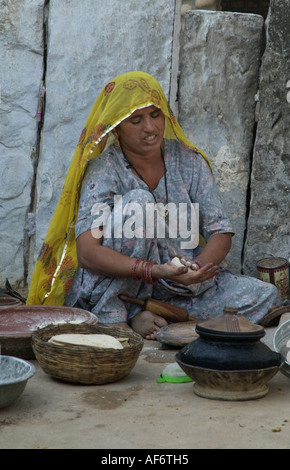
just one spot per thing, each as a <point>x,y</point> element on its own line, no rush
<point>211,256</point>
<point>184,275</point>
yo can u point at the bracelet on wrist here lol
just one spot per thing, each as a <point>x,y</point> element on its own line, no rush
<point>145,271</point>
<point>134,272</point>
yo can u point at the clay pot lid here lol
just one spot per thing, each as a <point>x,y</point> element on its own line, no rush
<point>230,325</point>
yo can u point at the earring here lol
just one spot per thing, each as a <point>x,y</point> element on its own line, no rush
<point>116,141</point>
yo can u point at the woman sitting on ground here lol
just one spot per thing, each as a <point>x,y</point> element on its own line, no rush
<point>138,194</point>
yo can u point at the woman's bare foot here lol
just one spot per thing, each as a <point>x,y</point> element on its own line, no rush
<point>147,323</point>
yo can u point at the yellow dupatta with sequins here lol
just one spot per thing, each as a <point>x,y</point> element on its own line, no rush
<point>57,263</point>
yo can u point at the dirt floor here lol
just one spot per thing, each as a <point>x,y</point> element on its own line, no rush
<point>139,413</point>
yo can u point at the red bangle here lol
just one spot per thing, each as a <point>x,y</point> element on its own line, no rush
<point>151,280</point>
<point>134,268</point>
<point>147,272</point>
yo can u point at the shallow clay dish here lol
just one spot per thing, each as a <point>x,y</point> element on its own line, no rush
<point>177,334</point>
<point>17,324</point>
<point>8,301</point>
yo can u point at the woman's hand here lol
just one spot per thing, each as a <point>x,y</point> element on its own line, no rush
<point>184,275</point>
<point>212,255</point>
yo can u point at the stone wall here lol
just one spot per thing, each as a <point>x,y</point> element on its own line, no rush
<point>76,48</point>
<point>268,231</point>
<point>218,83</point>
<point>21,71</point>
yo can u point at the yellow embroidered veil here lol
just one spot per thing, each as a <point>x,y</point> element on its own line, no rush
<point>56,265</point>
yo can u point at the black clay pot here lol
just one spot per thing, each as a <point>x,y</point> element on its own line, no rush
<point>228,355</point>
<point>228,361</point>
<point>229,342</point>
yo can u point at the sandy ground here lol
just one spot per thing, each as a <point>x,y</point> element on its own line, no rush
<point>139,413</point>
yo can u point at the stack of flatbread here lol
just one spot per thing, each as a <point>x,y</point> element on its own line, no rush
<point>99,341</point>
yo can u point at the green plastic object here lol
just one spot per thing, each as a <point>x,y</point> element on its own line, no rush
<point>173,374</point>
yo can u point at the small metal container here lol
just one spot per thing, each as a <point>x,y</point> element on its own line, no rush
<point>275,271</point>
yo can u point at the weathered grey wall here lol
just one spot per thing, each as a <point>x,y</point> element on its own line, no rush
<point>86,47</point>
<point>269,217</point>
<point>218,83</point>
<point>21,70</point>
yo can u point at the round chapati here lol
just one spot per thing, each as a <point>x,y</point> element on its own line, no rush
<point>100,341</point>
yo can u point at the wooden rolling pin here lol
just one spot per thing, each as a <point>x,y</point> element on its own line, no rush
<point>170,312</point>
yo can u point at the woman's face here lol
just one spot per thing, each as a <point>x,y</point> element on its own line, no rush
<point>142,133</point>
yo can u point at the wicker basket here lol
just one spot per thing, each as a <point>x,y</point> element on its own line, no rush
<point>86,364</point>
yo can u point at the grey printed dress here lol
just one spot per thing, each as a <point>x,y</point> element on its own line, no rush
<point>113,197</point>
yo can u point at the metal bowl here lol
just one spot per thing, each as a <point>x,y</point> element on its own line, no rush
<point>280,341</point>
<point>14,374</point>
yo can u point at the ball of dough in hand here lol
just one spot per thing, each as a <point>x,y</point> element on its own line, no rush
<point>176,261</point>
